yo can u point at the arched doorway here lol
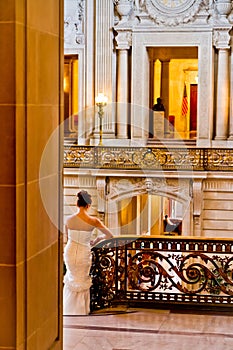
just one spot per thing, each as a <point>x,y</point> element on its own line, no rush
<point>138,206</point>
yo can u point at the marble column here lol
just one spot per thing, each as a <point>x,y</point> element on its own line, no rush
<point>221,39</point>
<point>222,108</point>
<point>123,40</point>
<point>122,94</point>
<point>231,93</point>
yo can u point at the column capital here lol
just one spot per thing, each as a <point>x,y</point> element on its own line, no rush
<point>165,60</point>
<point>123,39</point>
<point>221,37</point>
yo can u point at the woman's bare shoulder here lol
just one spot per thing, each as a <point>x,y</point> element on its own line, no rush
<point>70,218</point>
<point>94,221</point>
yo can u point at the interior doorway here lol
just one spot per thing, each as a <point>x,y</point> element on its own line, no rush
<point>172,68</point>
<point>144,214</point>
<point>70,95</point>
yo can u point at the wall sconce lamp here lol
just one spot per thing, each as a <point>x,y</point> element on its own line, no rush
<point>101,101</point>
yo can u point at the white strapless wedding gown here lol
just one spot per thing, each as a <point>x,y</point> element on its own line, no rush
<point>77,281</point>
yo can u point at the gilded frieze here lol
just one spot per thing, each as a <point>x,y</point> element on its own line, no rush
<point>148,158</point>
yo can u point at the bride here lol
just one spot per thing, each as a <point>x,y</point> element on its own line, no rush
<point>77,256</point>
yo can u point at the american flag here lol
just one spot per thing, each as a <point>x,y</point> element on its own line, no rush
<point>184,109</point>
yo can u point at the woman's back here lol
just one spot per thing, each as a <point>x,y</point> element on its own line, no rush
<point>80,223</point>
<point>81,237</point>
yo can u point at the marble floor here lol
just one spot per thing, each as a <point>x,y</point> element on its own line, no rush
<point>142,329</point>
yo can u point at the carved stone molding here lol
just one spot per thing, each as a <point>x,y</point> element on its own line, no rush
<point>144,158</point>
<point>197,197</point>
<point>123,39</point>
<point>177,189</point>
<point>221,37</point>
<point>219,159</point>
<point>173,14</point>
<point>73,22</point>
<point>218,185</point>
<point>100,183</point>
<point>196,220</point>
<point>139,5</point>
<point>123,8</point>
<point>74,181</point>
<point>223,8</point>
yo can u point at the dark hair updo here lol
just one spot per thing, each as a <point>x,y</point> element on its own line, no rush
<point>84,198</point>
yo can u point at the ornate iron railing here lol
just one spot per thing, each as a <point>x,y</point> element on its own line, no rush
<point>148,158</point>
<point>162,271</point>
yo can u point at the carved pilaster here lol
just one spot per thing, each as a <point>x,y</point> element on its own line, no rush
<point>103,61</point>
<point>231,89</point>
<point>100,183</point>
<point>197,205</point>
<point>221,37</point>
<point>123,39</point>
<point>221,40</point>
<point>197,197</point>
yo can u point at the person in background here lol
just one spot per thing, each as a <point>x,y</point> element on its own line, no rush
<point>168,224</point>
<point>159,105</point>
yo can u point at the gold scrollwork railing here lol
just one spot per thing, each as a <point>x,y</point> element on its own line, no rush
<point>148,158</point>
<point>168,271</point>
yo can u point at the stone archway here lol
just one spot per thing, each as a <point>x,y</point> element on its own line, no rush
<point>125,188</point>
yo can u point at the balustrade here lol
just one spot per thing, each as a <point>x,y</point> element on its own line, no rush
<point>206,159</point>
<point>156,271</point>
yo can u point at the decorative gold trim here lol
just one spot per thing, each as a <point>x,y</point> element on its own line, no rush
<point>151,158</point>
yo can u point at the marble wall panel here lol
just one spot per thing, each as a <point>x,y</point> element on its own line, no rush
<point>8,306</point>
<point>7,63</point>
<point>42,297</point>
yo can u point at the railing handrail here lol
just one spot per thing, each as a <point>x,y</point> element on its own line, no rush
<point>167,237</point>
<point>161,270</point>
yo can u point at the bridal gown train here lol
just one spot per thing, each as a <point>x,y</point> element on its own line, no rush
<point>77,281</point>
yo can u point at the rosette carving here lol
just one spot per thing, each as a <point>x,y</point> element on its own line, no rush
<point>172,16</point>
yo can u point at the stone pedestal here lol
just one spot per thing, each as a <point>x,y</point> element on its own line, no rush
<point>158,125</point>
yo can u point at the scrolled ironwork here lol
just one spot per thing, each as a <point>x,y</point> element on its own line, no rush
<point>103,275</point>
<point>167,270</point>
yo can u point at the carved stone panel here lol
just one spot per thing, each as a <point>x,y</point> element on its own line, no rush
<point>173,12</point>
<point>74,22</point>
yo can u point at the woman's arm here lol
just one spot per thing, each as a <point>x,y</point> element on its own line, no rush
<point>106,232</point>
